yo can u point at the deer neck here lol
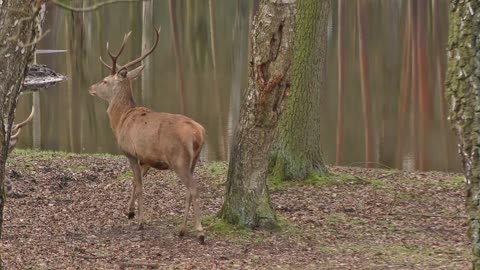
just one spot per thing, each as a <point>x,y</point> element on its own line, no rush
<point>121,103</point>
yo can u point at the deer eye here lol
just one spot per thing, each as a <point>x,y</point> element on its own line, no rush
<point>104,82</point>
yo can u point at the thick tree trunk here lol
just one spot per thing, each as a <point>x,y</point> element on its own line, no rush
<point>297,150</point>
<point>15,52</point>
<point>247,201</point>
<point>463,94</point>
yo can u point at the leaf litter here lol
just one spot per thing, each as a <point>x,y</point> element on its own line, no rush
<point>68,212</point>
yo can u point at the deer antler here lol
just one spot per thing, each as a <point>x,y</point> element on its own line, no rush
<point>20,125</point>
<point>114,58</point>
<point>138,60</point>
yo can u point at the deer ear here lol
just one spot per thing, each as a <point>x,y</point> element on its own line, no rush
<point>122,73</point>
<point>132,75</point>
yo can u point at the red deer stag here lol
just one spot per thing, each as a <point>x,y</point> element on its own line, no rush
<point>13,142</point>
<point>150,139</point>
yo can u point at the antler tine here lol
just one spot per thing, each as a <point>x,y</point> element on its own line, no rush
<point>114,58</point>
<point>105,64</point>
<point>14,136</point>
<point>138,60</point>
<point>125,38</point>
<point>30,117</point>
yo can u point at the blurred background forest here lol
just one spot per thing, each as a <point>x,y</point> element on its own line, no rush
<point>395,105</point>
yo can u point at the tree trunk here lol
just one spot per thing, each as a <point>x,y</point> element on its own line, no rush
<point>366,102</point>
<point>247,201</point>
<point>463,94</point>
<point>147,41</point>
<point>297,150</point>
<point>17,30</point>
<point>405,85</point>
<point>424,95</point>
<point>341,48</point>
<point>178,53</point>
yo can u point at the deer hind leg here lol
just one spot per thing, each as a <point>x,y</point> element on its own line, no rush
<point>137,190</point>
<point>191,198</point>
<point>188,202</point>
<point>193,189</point>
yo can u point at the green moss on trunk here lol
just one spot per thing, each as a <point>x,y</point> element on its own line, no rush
<point>463,94</point>
<point>297,152</point>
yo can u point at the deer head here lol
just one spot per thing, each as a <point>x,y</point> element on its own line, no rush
<point>120,76</point>
<point>16,131</point>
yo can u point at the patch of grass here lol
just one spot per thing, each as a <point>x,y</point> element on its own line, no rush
<point>219,228</point>
<point>126,176</point>
<point>275,184</point>
<point>337,218</point>
<point>454,182</point>
<point>286,227</point>
<point>216,226</point>
<point>216,169</point>
<point>30,154</point>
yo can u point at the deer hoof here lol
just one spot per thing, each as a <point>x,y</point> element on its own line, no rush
<point>201,239</point>
<point>131,215</point>
<point>141,226</point>
<point>181,232</point>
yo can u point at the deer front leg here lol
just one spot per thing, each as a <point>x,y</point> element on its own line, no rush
<point>138,190</point>
<point>131,203</point>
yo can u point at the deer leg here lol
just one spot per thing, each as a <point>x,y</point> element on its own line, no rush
<point>188,202</point>
<point>145,169</point>
<point>196,209</point>
<point>138,189</point>
<point>131,203</point>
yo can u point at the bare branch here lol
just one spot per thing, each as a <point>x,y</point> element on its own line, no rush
<point>92,7</point>
<point>35,41</point>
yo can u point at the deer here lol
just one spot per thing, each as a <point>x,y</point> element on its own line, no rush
<point>150,139</point>
<point>12,144</point>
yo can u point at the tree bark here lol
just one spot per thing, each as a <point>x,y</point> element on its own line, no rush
<point>297,150</point>
<point>247,201</point>
<point>463,95</point>
<point>17,32</point>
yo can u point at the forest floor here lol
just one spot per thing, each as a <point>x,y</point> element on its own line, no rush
<point>69,213</point>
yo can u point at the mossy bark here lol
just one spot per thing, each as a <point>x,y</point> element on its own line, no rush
<point>297,150</point>
<point>463,95</point>
<point>247,201</point>
<point>16,32</point>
